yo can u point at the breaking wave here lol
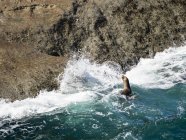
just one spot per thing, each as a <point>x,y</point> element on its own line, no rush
<point>83,81</point>
<point>165,70</point>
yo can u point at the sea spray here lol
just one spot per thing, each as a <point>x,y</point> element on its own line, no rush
<point>165,70</point>
<point>83,75</point>
<point>79,83</point>
<point>44,102</point>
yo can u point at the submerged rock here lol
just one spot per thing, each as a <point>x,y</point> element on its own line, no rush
<point>121,30</point>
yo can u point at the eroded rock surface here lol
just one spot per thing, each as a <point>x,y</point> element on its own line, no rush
<point>122,30</point>
<point>24,25</point>
<point>24,71</point>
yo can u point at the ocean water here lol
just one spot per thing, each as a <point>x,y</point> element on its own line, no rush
<point>88,104</point>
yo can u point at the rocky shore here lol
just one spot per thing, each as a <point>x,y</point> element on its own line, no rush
<point>38,36</point>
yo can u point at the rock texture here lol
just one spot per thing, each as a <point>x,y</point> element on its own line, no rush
<point>24,71</point>
<point>30,21</point>
<point>24,27</point>
<point>121,30</point>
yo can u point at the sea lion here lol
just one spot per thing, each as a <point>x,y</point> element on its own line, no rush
<point>126,87</point>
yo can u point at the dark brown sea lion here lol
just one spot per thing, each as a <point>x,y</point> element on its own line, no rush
<point>126,86</point>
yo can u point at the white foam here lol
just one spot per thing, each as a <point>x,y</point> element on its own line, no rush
<point>44,102</point>
<point>163,71</point>
<point>81,80</point>
<point>82,74</point>
<point>124,136</point>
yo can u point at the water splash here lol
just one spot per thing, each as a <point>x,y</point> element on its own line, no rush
<point>84,80</point>
<point>44,102</point>
<point>83,75</point>
<point>163,71</point>
<point>80,82</point>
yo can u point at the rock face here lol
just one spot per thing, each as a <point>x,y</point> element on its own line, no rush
<point>30,21</point>
<point>24,71</point>
<point>24,26</point>
<point>121,30</point>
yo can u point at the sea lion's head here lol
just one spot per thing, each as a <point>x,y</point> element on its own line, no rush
<point>124,77</point>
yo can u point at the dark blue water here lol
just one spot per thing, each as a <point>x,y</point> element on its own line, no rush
<point>153,114</point>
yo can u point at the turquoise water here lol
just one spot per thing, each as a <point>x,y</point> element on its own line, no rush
<point>154,114</point>
<point>88,106</point>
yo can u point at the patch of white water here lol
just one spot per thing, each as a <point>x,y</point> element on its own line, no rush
<point>44,102</point>
<point>163,71</point>
<point>81,80</point>
<point>81,74</point>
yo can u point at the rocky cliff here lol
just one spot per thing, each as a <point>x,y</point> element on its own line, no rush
<point>24,35</point>
<point>121,30</point>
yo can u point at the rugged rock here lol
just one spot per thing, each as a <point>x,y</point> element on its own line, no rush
<point>121,30</point>
<point>28,21</point>
<point>24,26</point>
<point>24,71</point>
